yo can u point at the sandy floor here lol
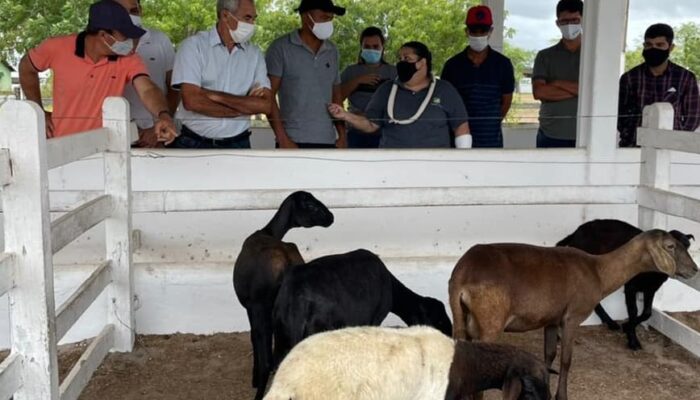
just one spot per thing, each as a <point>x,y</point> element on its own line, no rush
<point>218,367</point>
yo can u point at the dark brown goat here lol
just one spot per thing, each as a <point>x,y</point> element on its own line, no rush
<point>518,288</point>
<point>260,267</point>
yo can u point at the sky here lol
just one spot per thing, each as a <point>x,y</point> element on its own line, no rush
<point>533,20</point>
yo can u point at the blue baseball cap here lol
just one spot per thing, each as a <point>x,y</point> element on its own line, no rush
<point>110,15</point>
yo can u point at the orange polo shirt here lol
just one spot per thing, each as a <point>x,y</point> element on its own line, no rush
<point>80,85</point>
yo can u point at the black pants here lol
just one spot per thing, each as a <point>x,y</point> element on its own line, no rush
<point>189,139</point>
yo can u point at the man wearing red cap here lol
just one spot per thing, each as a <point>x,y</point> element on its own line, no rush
<point>484,79</point>
<point>89,67</point>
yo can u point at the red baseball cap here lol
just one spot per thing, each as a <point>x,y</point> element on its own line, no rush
<point>479,15</point>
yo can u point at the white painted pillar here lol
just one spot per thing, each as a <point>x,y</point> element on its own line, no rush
<point>655,170</point>
<point>116,116</point>
<point>499,15</point>
<point>603,43</point>
<point>25,204</point>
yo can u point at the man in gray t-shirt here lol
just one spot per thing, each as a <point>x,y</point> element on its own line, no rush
<point>304,73</point>
<point>555,80</point>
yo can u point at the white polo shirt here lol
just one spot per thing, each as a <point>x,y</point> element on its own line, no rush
<point>158,53</point>
<point>203,60</point>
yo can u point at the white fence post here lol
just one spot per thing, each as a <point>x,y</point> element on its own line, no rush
<point>656,164</point>
<point>28,236</point>
<point>116,116</point>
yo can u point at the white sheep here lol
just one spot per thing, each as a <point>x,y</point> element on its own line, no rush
<point>416,363</point>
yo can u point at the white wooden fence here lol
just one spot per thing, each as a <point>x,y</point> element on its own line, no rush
<point>656,202</point>
<point>31,240</point>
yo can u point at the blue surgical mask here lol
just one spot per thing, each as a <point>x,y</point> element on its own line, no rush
<point>371,56</point>
<point>122,48</point>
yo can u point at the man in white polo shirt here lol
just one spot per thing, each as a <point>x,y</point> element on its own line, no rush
<point>158,53</point>
<point>222,80</point>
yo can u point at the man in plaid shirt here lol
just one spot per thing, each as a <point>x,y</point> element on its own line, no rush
<point>657,80</point>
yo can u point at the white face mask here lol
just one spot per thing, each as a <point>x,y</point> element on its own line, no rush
<point>136,20</point>
<point>322,30</point>
<point>243,32</point>
<point>478,43</point>
<point>122,48</point>
<point>572,31</point>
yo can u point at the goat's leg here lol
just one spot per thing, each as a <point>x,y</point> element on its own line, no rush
<point>460,316</point>
<point>550,344</point>
<point>260,317</point>
<point>630,327</point>
<point>603,315</point>
<point>568,330</point>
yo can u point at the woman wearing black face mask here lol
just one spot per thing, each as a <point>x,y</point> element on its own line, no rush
<point>657,80</point>
<point>415,110</point>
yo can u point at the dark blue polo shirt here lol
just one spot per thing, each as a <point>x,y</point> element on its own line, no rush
<point>482,89</point>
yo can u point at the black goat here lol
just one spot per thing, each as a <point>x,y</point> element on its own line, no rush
<point>260,267</point>
<point>605,235</point>
<point>345,290</point>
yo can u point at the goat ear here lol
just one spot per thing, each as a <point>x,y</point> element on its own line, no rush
<point>512,388</point>
<point>662,259</point>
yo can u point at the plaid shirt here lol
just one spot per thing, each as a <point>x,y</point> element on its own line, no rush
<point>639,88</point>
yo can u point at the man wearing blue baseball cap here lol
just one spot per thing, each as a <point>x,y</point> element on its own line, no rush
<point>89,67</point>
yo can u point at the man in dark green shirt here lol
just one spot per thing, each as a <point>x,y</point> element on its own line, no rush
<point>555,80</point>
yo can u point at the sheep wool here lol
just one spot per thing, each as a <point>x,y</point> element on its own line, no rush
<point>367,363</point>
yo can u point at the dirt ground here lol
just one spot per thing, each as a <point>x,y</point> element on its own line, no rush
<point>215,367</point>
<point>219,367</point>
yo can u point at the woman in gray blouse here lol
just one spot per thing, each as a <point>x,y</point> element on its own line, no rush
<point>361,80</point>
<point>415,110</point>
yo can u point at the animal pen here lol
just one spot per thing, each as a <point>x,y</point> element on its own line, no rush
<point>418,209</point>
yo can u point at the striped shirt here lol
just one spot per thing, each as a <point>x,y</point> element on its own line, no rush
<point>640,88</point>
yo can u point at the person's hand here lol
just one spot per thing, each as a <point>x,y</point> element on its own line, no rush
<point>165,129</point>
<point>49,124</point>
<point>287,143</point>
<point>337,112</point>
<point>369,79</point>
<point>148,139</point>
<point>256,91</point>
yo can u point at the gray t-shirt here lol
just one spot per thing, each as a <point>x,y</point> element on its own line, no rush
<point>363,94</point>
<point>307,87</point>
<point>445,113</point>
<point>558,118</point>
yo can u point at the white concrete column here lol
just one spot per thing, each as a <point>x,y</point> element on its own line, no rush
<point>498,10</point>
<point>603,43</point>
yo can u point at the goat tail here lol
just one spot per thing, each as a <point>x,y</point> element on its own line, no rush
<point>460,315</point>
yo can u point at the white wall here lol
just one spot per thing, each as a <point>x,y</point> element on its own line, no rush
<point>184,270</point>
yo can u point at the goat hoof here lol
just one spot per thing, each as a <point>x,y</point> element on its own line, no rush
<point>635,345</point>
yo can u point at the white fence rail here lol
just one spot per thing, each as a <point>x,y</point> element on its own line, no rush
<point>31,239</point>
<point>656,202</point>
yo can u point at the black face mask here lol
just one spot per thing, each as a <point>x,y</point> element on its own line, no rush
<point>406,70</point>
<point>655,57</point>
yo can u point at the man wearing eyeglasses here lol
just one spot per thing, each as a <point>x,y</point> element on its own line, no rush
<point>555,80</point>
<point>89,67</point>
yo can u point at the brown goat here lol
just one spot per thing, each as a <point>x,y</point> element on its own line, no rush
<point>518,288</point>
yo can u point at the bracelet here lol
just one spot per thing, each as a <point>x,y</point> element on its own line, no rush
<point>165,112</point>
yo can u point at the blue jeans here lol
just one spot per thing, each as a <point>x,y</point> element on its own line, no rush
<point>544,141</point>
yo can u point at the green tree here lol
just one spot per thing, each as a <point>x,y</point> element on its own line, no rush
<point>687,51</point>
